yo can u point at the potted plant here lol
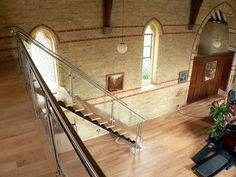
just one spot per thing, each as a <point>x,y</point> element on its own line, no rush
<point>219,113</point>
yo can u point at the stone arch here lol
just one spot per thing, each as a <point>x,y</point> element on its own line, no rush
<point>229,12</point>
<point>226,8</point>
<point>156,23</point>
<point>45,62</point>
<point>48,31</point>
<point>157,29</point>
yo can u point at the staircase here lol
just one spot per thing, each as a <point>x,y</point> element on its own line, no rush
<point>105,111</point>
<point>96,119</point>
<point>82,110</point>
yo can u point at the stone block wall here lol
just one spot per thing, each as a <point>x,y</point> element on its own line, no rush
<point>78,26</point>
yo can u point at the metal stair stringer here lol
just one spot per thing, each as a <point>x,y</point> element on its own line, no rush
<point>96,119</point>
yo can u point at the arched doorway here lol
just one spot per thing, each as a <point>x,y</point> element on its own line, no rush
<point>212,65</point>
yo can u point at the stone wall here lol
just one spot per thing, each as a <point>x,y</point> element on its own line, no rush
<point>213,32</point>
<point>78,26</point>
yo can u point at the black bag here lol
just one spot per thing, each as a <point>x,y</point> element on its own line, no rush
<point>232,97</point>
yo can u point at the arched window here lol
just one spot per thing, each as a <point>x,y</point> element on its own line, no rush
<point>44,62</point>
<point>149,54</point>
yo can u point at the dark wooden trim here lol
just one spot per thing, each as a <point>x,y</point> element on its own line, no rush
<point>107,6</point>
<point>203,57</point>
<point>7,37</point>
<point>194,10</point>
<point>8,49</point>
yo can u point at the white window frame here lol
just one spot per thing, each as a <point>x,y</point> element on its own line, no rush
<point>151,57</point>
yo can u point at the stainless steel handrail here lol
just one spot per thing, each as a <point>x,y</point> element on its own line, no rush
<point>85,156</point>
<point>73,68</point>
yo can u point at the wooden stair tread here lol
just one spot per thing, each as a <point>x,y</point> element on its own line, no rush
<point>78,108</point>
<point>65,110</point>
<point>116,129</point>
<point>86,113</point>
<point>94,117</point>
<point>102,121</point>
<point>110,126</point>
<point>123,133</point>
<point>70,105</point>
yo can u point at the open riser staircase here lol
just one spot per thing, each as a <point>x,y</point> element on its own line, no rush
<point>97,120</point>
<point>81,110</point>
<point>74,91</point>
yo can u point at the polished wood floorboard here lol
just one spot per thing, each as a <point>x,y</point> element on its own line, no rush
<point>23,152</point>
<point>168,144</point>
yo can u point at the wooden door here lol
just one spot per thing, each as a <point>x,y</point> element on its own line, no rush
<point>208,75</point>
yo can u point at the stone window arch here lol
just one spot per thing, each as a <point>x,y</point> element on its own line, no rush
<point>44,61</point>
<point>150,52</point>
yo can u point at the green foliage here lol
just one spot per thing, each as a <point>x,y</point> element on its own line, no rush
<point>218,115</point>
<point>145,76</point>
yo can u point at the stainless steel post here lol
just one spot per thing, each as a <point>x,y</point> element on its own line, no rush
<point>32,91</point>
<point>112,112</point>
<point>19,56</point>
<point>72,86</point>
<point>59,171</point>
<point>26,72</point>
<point>137,148</point>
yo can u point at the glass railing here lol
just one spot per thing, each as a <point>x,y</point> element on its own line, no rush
<point>72,158</point>
<point>78,87</point>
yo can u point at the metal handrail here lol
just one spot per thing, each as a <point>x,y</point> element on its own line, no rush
<point>83,153</point>
<point>81,73</point>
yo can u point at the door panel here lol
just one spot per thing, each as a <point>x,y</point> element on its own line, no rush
<point>225,76</point>
<point>204,84</point>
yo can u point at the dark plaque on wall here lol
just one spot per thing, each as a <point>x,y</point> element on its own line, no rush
<point>183,76</point>
<point>114,82</point>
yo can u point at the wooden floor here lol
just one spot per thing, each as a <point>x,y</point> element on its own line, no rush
<point>168,143</point>
<point>23,152</point>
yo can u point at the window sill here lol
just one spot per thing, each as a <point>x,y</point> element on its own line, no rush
<point>147,87</point>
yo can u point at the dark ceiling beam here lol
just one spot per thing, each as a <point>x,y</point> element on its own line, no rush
<point>194,11</point>
<point>107,6</point>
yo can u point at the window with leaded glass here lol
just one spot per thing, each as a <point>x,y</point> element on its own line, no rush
<point>44,61</point>
<point>147,56</point>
